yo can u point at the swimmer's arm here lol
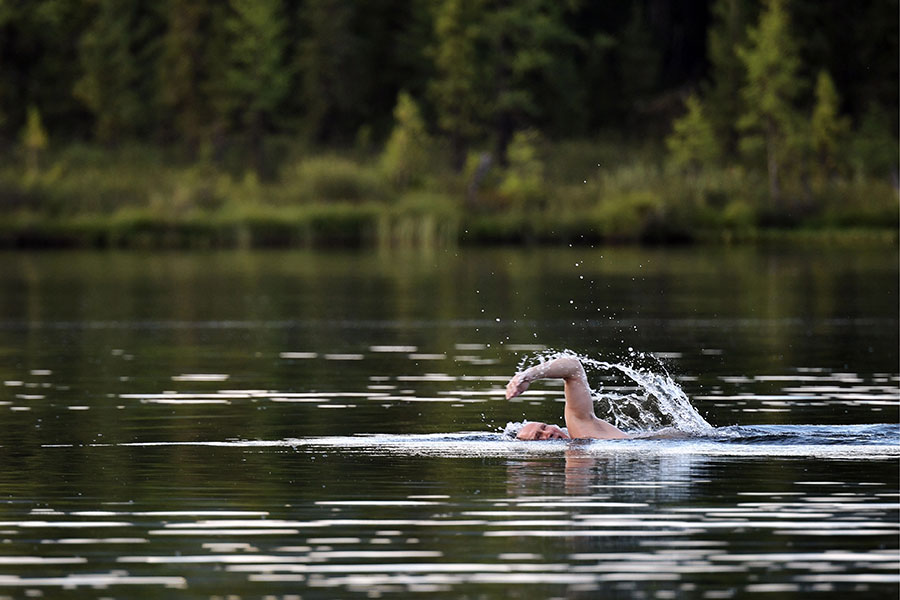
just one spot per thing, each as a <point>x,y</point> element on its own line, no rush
<point>580,418</point>
<point>563,367</point>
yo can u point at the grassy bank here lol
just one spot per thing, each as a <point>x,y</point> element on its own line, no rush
<point>572,192</point>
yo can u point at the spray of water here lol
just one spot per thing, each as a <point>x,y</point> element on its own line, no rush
<point>649,400</point>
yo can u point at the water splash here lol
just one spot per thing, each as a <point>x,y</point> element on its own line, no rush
<point>654,401</point>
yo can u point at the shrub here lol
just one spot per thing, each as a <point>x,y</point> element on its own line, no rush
<point>523,182</point>
<point>633,216</point>
<point>332,178</point>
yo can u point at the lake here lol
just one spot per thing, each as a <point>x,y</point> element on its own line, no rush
<point>320,424</point>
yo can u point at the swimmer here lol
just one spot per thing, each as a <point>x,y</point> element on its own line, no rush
<point>581,421</point>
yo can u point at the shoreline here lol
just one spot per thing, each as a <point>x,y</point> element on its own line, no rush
<point>90,197</point>
<point>367,229</point>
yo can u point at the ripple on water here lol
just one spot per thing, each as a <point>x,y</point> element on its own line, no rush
<point>613,531</point>
<point>672,544</point>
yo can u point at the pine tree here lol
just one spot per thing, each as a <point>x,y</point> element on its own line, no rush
<point>721,95</point>
<point>527,40</point>
<point>34,141</point>
<point>769,120</point>
<point>829,129</point>
<point>184,70</point>
<point>406,154</point>
<point>458,87</point>
<point>118,52</point>
<point>692,144</point>
<point>256,78</point>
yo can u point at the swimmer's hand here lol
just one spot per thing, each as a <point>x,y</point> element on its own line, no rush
<point>518,384</point>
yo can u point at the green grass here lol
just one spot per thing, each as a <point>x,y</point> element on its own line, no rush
<point>138,196</point>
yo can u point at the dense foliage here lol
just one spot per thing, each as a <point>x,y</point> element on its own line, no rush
<point>473,100</point>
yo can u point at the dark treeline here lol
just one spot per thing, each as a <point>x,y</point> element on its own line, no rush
<point>194,71</point>
<point>772,85</point>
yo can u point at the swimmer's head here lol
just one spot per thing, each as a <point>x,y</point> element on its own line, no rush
<point>536,430</point>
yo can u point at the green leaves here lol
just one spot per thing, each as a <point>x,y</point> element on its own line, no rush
<point>406,155</point>
<point>256,76</point>
<point>829,128</point>
<point>772,86</point>
<point>496,64</point>
<point>237,77</point>
<point>116,52</point>
<point>692,144</point>
<point>773,81</point>
<point>459,88</point>
<point>34,141</point>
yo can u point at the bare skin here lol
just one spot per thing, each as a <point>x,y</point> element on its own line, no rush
<point>579,412</point>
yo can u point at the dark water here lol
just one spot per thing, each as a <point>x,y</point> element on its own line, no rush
<point>320,425</point>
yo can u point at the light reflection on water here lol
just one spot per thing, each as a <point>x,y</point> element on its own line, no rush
<point>305,438</point>
<point>795,391</point>
<point>587,522</point>
<point>601,515</point>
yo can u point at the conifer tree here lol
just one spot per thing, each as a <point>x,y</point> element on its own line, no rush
<point>721,95</point>
<point>184,70</point>
<point>829,128</point>
<point>406,153</point>
<point>117,53</point>
<point>769,120</point>
<point>459,84</point>
<point>34,141</point>
<point>527,39</point>
<point>692,144</point>
<point>256,77</point>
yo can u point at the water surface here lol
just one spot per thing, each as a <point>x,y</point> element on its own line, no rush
<point>274,424</point>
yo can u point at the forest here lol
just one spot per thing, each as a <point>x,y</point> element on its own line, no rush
<point>420,122</point>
